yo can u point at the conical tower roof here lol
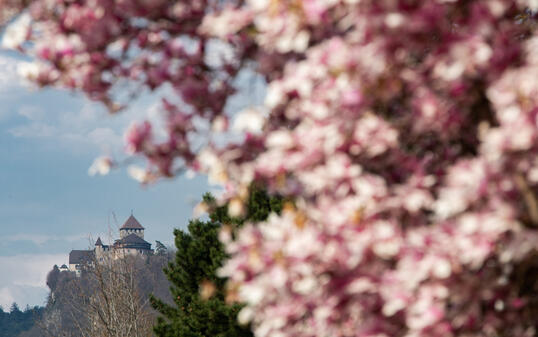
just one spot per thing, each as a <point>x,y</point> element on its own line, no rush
<point>98,242</point>
<point>131,223</point>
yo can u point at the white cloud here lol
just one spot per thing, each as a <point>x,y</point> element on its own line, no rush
<point>77,123</point>
<point>22,295</point>
<point>10,83</point>
<point>33,130</point>
<point>75,129</point>
<point>80,124</point>
<point>16,32</point>
<point>105,138</point>
<point>6,298</point>
<point>40,239</point>
<point>24,278</point>
<point>33,113</point>
<point>10,79</point>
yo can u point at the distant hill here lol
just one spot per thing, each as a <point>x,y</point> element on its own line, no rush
<point>75,301</point>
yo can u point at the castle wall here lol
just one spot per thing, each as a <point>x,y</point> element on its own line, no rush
<point>119,253</point>
<point>102,253</point>
<point>127,232</point>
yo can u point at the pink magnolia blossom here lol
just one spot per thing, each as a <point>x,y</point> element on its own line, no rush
<point>406,132</point>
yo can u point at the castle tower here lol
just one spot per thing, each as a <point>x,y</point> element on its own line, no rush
<point>99,249</point>
<point>131,226</point>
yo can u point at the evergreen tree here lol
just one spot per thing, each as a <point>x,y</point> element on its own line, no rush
<point>160,249</point>
<point>15,321</point>
<point>14,308</point>
<point>200,308</point>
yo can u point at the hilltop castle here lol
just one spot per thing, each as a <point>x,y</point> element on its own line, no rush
<point>131,242</point>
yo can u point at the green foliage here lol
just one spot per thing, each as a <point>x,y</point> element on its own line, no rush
<point>160,249</point>
<point>258,207</point>
<point>199,255</point>
<point>15,321</point>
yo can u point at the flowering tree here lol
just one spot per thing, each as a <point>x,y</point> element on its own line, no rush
<point>405,130</point>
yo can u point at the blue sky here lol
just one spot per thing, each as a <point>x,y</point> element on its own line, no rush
<point>48,202</point>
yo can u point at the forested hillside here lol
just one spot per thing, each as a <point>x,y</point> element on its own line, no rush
<point>108,298</point>
<point>15,321</point>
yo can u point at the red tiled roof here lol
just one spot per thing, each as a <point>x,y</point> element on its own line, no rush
<point>132,223</point>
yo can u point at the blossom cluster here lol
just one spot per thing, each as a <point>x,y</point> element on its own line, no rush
<point>405,132</point>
